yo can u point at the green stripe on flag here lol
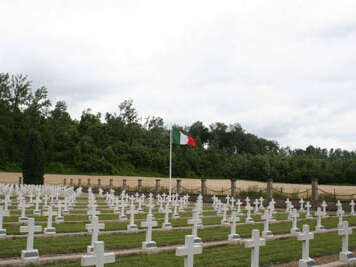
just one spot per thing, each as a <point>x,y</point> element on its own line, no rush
<point>176,137</point>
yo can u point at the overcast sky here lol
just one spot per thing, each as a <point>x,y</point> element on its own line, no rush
<point>285,70</point>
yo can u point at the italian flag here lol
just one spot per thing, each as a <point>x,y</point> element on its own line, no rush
<point>181,139</point>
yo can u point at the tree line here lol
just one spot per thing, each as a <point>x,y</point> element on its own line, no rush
<point>122,143</point>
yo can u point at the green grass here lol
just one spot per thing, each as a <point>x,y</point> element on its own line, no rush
<point>283,250</point>
<point>49,245</point>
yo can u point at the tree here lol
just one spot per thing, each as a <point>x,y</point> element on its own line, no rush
<point>34,160</point>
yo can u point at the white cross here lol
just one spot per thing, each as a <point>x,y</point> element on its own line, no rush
<point>31,228</point>
<point>2,214</point>
<point>99,258</point>
<point>261,203</point>
<point>247,199</point>
<point>305,236</point>
<point>224,219</point>
<point>294,215</point>
<point>255,244</point>
<point>340,213</point>
<point>189,250</point>
<point>238,203</point>
<point>256,202</point>
<point>94,228</point>
<point>352,204</point>
<point>232,201</point>
<point>266,217</point>
<point>308,206</point>
<point>227,200</point>
<point>248,216</point>
<point>50,213</point>
<point>287,205</point>
<point>166,214</point>
<point>318,213</point>
<point>324,205</point>
<point>301,202</point>
<point>37,202</point>
<point>23,206</point>
<point>345,231</point>
<point>233,220</point>
<point>149,223</point>
<point>132,214</point>
<point>195,220</point>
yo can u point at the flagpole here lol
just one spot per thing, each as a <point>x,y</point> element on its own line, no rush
<point>170,161</point>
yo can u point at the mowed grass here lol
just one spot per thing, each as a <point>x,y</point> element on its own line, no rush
<point>276,251</point>
<point>60,244</point>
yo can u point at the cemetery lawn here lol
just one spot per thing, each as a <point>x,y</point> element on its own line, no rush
<point>78,244</point>
<point>276,251</point>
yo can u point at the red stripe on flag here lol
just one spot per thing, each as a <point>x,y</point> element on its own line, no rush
<point>191,141</point>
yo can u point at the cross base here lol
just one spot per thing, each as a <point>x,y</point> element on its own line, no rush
<point>149,245</point>
<point>37,212</point>
<point>257,212</point>
<point>307,263</point>
<point>90,250</point>
<point>167,225</point>
<point>31,254</point>
<point>197,240</point>
<point>66,212</point>
<point>2,232</point>
<point>309,217</point>
<point>176,216</point>
<point>59,219</point>
<point>267,234</point>
<point>140,210</point>
<point>347,257</point>
<point>249,220</point>
<point>116,211</point>
<point>123,218</point>
<point>234,237</point>
<point>23,219</point>
<point>294,231</point>
<point>181,209</point>
<point>352,213</point>
<point>131,227</point>
<point>320,228</point>
<point>225,222</point>
<point>50,230</point>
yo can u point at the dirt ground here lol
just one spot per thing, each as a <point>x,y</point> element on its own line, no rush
<point>214,186</point>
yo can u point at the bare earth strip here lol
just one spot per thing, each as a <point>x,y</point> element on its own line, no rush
<point>214,186</point>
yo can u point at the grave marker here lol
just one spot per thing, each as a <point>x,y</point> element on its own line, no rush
<point>255,243</point>
<point>49,229</point>
<point>94,229</point>
<point>149,223</point>
<point>295,215</point>
<point>30,253</point>
<point>99,258</point>
<point>2,214</point>
<point>233,219</point>
<point>189,250</point>
<point>266,217</point>
<point>346,255</point>
<point>195,221</point>
<point>318,226</point>
<point>305,236</point>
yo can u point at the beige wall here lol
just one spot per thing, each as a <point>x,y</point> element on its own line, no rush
<point>213,185</point>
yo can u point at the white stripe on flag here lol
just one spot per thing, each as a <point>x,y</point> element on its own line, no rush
<point>183,139</point>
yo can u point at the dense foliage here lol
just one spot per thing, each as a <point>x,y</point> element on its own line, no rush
<point>123,144</point>
<point>34,159</point>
